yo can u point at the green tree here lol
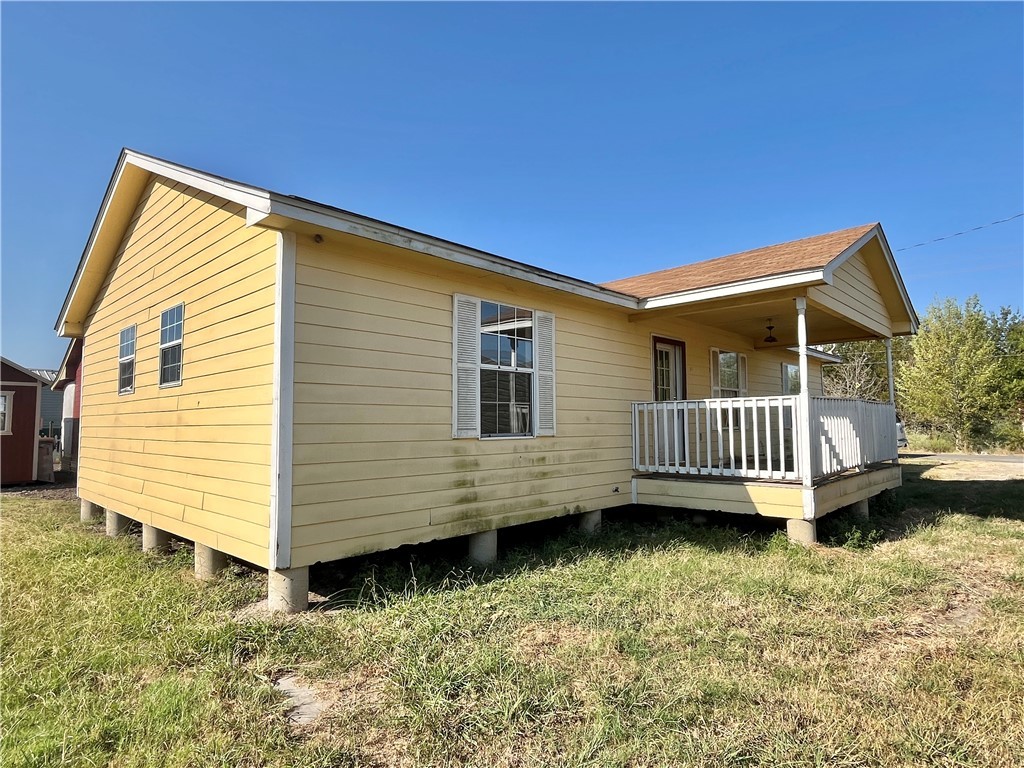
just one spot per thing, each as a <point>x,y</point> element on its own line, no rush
<point>1007,328</point>
<point>950,383</point>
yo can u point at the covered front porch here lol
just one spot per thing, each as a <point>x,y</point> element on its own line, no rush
<point>746,455</point>
<point>768,444</point>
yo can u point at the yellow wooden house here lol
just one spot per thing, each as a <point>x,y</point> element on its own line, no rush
<point>290,383</point>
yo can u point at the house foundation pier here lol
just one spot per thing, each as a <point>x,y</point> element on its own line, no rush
<point>590,522</point>
<point>209,562</point>
<point>483,547</point>
<point>802,531</point>
<point>117,525</point>
<point>288,590</point>
<point>89,512</point>
<point>154,539</point>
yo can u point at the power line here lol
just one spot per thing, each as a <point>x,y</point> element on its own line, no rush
<point>957,234</point>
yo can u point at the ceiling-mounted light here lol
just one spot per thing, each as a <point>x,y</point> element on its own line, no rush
<point>770,339</point>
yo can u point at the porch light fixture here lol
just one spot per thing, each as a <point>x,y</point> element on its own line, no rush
<point>770,339</point>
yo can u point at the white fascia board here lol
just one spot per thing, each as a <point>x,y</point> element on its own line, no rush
<point>827,357</point>
<point>842,258</point>
<point>243,194</point>
<point>250,197</point>
<point>914,321</point>
<point>757,285</point>
<point>876,231</point>
<point>360,226</point>
<point>84,261</point>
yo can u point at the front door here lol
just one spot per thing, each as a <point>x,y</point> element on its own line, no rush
<point>670,384</point>
<point>669,369</point>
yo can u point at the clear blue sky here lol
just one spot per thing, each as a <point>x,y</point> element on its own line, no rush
<point>595,140</point>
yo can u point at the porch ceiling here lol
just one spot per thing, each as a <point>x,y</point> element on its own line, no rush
<point>749,318</point>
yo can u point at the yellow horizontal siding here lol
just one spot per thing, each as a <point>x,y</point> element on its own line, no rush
<point>374,463</point>
<point>192,459</point>
<point>855,294</point>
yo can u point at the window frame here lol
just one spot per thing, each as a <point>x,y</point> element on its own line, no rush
<point>122,358</point>
<point>8,412</point>
<point>178,342</point>
<point>786,379</point>
<point>466,348</point>
<point>716,374</point>
<point>514,369</point>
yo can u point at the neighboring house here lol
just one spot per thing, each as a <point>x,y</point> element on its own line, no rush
<point>68,383</point>
<point>20,402</point>
<point>291,383</point>
<point>51,412</point>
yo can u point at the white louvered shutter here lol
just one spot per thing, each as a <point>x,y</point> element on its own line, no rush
<point>742,374</point>
<point>716,375</point>
<point>545,358</point>
<point>466,367</point>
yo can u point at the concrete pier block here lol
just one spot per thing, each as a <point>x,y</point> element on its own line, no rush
<point>209,562</point>
<point>483,547</point>
<point>860,510</point>
<point>155,540</point>
<point>802,531</point>
<point>288,590</point>
<point>117,525</point>
<point>590,522</point>
<point>90,511</point>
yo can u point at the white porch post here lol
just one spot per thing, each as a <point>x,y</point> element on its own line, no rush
<point>804,531</point>
<point>888,369</point>
<point>805,395</point>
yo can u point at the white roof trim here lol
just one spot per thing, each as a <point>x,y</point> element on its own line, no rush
<point>820,354</point>
<point>382,232</point>
<point>754,285</point>
<point>243,194</point>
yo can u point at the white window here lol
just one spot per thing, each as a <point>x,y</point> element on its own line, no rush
<point>504,369</point>
<point>172,323</point>
<point>728,374</point>
<point>6,412</point>
<point>126,362</point>
<point>790,379</point>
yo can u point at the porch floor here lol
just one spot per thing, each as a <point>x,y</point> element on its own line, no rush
<point>769,498</point>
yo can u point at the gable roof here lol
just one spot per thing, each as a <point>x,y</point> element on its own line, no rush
<point>803,262</point>
<point>268,208</point>
<point>26,371</point>
<point>809,253</point>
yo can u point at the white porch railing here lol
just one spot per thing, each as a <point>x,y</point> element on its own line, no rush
<point>850,434</point>
<point>756,437</point>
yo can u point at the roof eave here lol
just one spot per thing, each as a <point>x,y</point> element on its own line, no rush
<point>799,279</point>
<point>295,209</point>
<point>132,172</point>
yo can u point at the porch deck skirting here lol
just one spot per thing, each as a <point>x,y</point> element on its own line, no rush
<point>744,454</point>
<point>769,499</point>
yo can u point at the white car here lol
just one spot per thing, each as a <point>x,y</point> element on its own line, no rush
<point>901,436</point>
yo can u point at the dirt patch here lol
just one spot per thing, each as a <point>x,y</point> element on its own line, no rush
<point>64,489</point>
<point>975,470</point>
<point>938,628</point>
<point>545,640</point>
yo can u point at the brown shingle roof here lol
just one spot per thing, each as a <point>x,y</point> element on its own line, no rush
<point>796,256</point>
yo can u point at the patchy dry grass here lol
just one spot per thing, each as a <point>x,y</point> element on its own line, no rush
<point>657,643</point>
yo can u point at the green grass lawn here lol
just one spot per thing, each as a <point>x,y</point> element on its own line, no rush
<point>656,643</point>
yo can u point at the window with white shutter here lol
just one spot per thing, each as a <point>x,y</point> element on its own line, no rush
<point>503,369</point>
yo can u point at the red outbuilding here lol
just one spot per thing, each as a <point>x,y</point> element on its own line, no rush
<point>20,403</point>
